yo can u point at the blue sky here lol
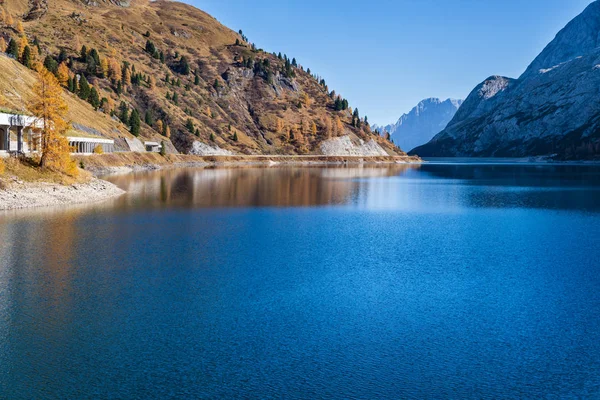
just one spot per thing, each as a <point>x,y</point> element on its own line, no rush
<point>387,55</point>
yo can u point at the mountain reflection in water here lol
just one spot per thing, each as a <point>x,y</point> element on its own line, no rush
<point>248,187</point>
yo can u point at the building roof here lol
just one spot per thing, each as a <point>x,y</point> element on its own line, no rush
<point>18,120</point>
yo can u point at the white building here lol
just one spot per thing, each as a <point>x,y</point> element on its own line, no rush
<point>153,147</point>
<point>18,133</point>
<point>22,134</point>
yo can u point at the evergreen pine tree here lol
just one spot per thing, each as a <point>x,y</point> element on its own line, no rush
<point>70,84</point>
<point>124,113</point>
<point>184,66</point>
<point>235,137</point>
<point>13,49</point>
<point>84,88</point>
<point>94,98</point>
<point>26,59</point>
<point>150,48</point>
<point>92,66</point>
<point>189,124</point>
<point>94,54</point>
<point>50,64</point>
<point>212,137</point>
<point>148,118</point>
<point>62,56</point>
<point>135,122</point>
<point>83,54</point>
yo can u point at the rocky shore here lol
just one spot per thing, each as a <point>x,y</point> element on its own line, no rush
<point>17,194</point>
<point>128,162</point>
<point>20,194</point>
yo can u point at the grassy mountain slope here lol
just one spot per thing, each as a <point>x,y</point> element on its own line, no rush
<point>225,101</point>
<point>16,84</point>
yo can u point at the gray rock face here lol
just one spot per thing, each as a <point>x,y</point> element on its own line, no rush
<point>421,124</point>
<point>202,149</point>
<point>343,146</point>
<point>553,109</point>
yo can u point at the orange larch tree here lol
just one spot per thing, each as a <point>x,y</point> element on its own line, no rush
<point>50,109</point>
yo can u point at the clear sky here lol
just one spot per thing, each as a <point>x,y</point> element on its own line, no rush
<point>387,55</point>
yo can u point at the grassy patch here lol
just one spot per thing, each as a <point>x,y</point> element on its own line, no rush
<point>28,170</point>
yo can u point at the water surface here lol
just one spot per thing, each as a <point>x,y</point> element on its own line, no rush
<point>434,281</point>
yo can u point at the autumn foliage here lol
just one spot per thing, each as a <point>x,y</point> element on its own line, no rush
<point>50,109</point>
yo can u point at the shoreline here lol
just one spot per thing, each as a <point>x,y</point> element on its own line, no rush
<point>20,195</point>
<point>113,164</point>
<point>26,195</point>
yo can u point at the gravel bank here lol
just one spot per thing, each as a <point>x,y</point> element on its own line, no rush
<point>27,195</point>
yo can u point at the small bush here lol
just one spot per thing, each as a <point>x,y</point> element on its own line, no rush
<point>2,167</point>
<point>98,150</point>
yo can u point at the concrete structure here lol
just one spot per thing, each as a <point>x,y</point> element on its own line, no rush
<point>153,147</point>
<point>84,145</point>
<point>23,129</point>
<point>22,134</point>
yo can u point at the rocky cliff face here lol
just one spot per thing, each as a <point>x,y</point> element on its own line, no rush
<point>421,124</point>
<point>553,109</point>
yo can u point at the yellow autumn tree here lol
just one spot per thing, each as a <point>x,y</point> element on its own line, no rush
<point>104,67</point>
<point>20,28</point>
<point>109,105</point>
<point>114,70</point>
<point>328,127</point>
<point>159,126</point>
<point>304,128</point>
<point>280,125</point>
<point>50,109</point>
<point>8,20</point>
<point>313,129</point>
<point>2,45</point>
<point>126,78</point>
<point>2,16</point>
<point>23,42</point>
<point>151,82</point>
<point>339,127</point>
<point>167,131</point>
<point>62,74</point>
<point>306,99</point>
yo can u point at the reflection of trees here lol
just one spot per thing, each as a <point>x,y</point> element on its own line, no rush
<point>57,250</point>
<point>280,187</point>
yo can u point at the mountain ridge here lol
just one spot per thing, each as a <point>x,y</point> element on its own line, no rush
<point>552,110</point>
<point>422,122</point>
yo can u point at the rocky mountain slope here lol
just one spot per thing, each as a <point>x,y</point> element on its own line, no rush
<point>552,110</point>
<point>422,123</point>
<point>175,66</point>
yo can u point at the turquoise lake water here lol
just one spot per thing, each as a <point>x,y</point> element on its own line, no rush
<point>435,281</point>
